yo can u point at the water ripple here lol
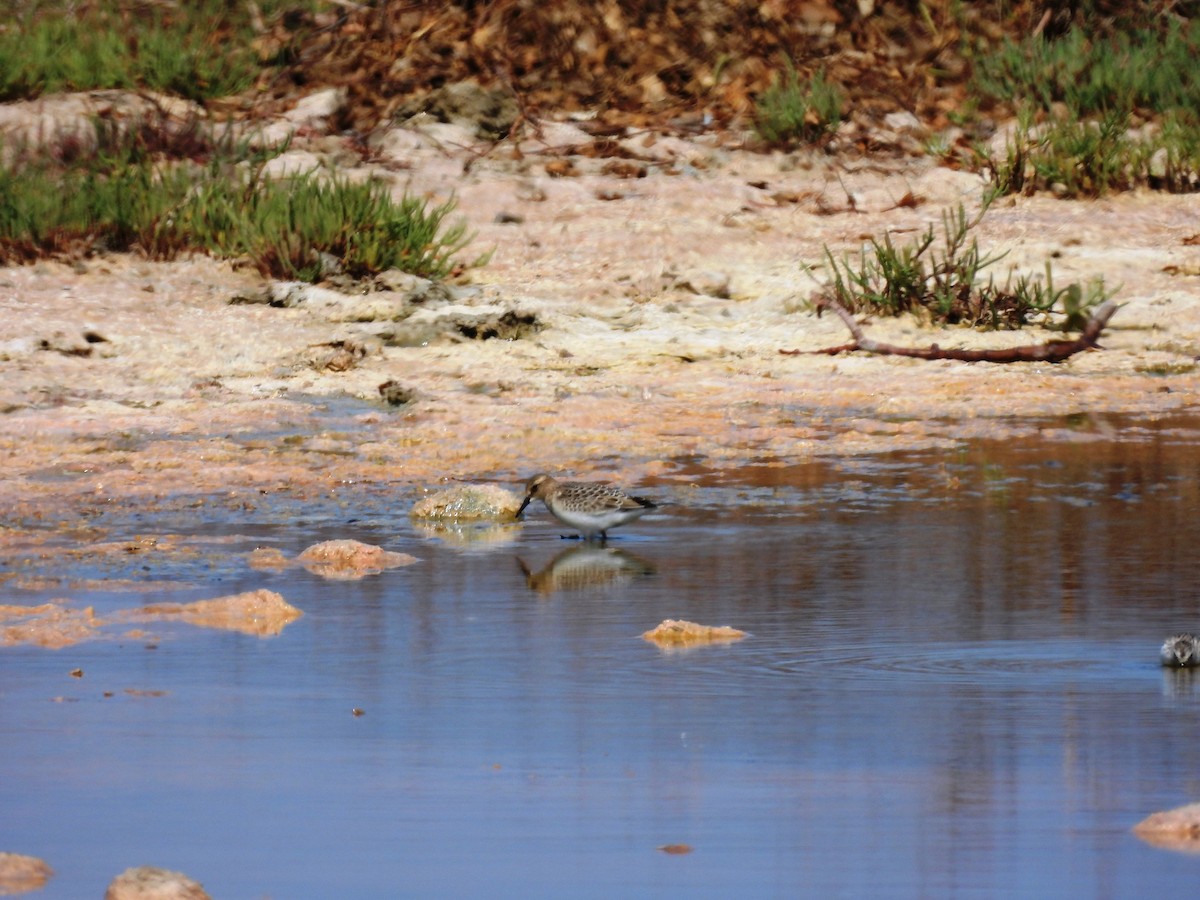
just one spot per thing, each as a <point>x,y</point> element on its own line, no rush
<point>1033,662</point>
<point>754,667</point>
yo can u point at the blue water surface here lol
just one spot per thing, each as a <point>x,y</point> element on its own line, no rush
<point>949,687</point>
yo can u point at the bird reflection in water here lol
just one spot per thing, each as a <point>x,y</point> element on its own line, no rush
<point>586,567</point>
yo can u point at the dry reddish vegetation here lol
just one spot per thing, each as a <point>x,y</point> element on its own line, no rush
<point>640,62</point>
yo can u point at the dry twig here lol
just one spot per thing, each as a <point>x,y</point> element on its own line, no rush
<point>1051,351</point>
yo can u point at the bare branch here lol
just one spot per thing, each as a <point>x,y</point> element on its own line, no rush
<point>1051,351</point>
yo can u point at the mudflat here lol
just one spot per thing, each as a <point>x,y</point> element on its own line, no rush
<point>629,323</point>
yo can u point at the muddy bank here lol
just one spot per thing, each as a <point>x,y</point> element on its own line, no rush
<point>654,309</point>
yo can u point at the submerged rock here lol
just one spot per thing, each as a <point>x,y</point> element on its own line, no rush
<point>348,560</point>
<point>468,502</point>
<point>680,633</point>
<point>21,874</point>
<point>153,883</point>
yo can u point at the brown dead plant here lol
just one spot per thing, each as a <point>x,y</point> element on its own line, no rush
<point>1051,351</point>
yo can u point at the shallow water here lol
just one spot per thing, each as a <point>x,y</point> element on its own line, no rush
<point>949,687</point>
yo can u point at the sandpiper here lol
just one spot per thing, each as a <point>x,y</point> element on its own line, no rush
<point>1181,651</point>
<point>592,507</point>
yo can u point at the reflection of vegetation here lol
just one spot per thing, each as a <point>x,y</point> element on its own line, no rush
<point>1080,98</point>
<point>165,189</point>
<point>793,111</point>
<point>942,281</point>
<point>198,49</point>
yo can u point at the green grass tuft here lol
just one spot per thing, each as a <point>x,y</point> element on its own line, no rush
<point>286,227</point>
<point>1092,158</point>
<point>164,189</point>
<point>791,111</point>
<point>1083,102</point>
<point>198,50</point>
<point>1142,69</point>
<point>942,281</point>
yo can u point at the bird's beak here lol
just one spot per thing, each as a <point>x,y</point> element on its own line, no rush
<point>524,504</point>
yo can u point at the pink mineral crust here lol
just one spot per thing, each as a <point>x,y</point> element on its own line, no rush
<point>348,560</point>
<point>1173,829</point>
<point>263,613</point>
<point>152,883</point>
<point>20,874</point>
<point>679,633</point>
<point>49,625</point>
